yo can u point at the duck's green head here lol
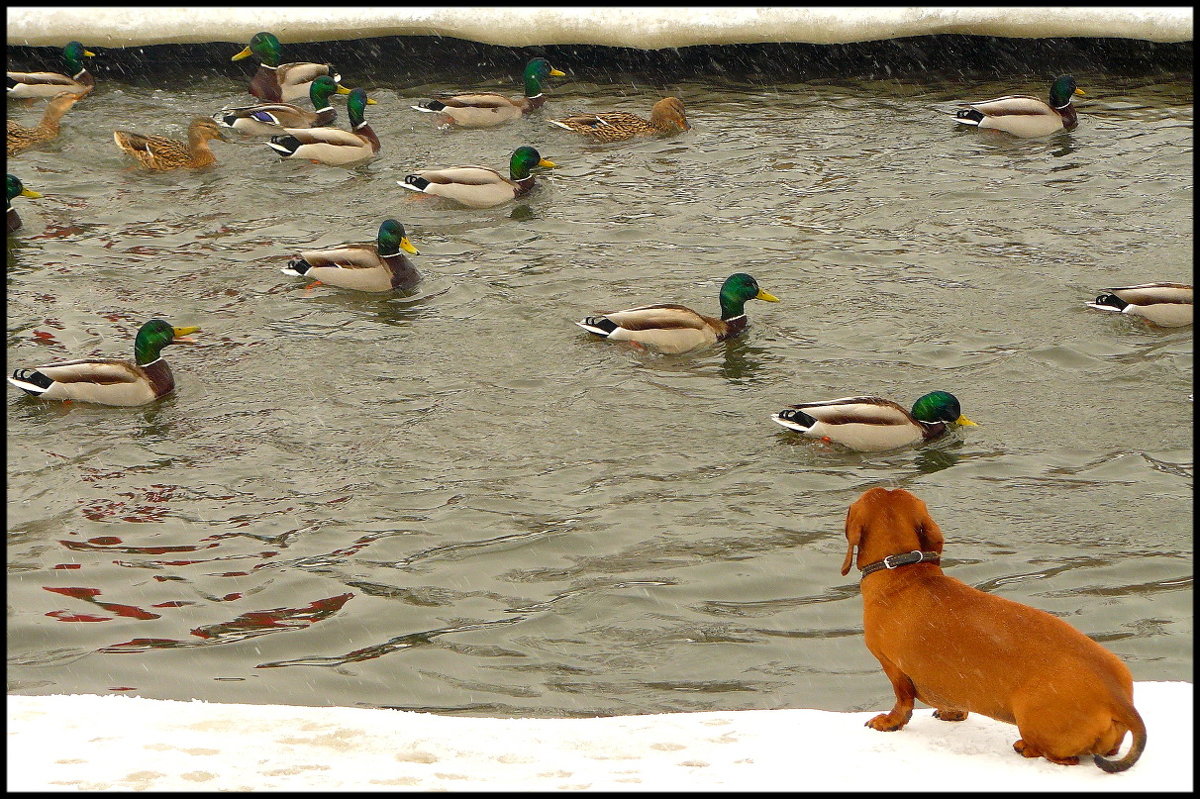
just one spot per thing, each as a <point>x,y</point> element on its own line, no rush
<point>323,87</point>
<point>1061,91</point>
<point>736,290</point>
<point>939,406</point>
<point>356,106</point>
<point>263,46</point>
<point>523,160</point>
<point>536,71</point>
<point>17,189</point>
<point>73,55</point>
<point>157,334</point>
<point>392,239</point>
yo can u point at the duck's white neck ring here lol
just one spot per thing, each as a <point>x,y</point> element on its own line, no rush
<point>323,110</point>
<point>389,254</point>
<point>362,124</point>
<point>1061,107</point>
<point>77,74</point>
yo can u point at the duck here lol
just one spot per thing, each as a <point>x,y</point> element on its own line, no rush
<point>1162,304</point>
<point>871,424</point>
<point>22,138</point>
<point>1025,116</point>
<point>162,154</point>
<point>485,109</point>
<point>380,266</point>
<point>674,329</point>
<point>17,189</point>
<point>270,119</point>
<point>111,381</point>
<point>480,186</point>
<point>275,82</point>
<point>666,116</point>
<point>48,84</point>
<point>332,146</point>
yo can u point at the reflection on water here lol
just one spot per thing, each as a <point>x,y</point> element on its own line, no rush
<point>458,501</point>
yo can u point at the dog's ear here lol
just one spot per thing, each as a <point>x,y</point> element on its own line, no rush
<point>853,533</point>
<point>928,532</point>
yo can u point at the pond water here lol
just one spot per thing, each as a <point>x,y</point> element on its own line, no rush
<point>457,501</point>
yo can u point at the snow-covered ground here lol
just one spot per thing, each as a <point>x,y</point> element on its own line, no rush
<point>642,27</point>
<point>96,743</point>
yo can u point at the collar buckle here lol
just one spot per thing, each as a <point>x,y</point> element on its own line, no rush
<point>892,561</point>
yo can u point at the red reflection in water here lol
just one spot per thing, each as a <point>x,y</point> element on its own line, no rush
<point>259,621</point>
<point>68,566</point>
<point>89,595</point>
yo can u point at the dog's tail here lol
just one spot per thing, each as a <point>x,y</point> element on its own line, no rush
<point>1133,721</point>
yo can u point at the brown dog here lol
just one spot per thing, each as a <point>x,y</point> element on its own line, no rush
<point>961,650</point>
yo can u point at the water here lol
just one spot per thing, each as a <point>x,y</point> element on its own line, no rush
<point>456,501</point>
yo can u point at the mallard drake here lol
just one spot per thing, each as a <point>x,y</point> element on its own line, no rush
<point>665,117</point>
<point>366,267</point>
<point>1163,304</point>
<point>869,424</point>
<point>485,109</point>
<point>48,84</point>
<point>270,119</point>
<point>674,329</point>
<point>332,146</point>
<point>21,137</point>
<point>480,186</point>
<point>17,189</point>
<point>162,154</point>
<point>1023,115</point>
<point>111,381</point>
<point>275,82</point>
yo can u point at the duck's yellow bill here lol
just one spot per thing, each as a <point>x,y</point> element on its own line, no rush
<point>407,246</point>
<point>371,102</point>
<point>762,295</point>
<point>558,73</point>
<point>243,54</point>
<point>963,420</point>
<point>89,53</point>
<point>181,335</point>
<point>547,162</point>
<point>1080,92</point>
<point>30,193</point>
<point>343,90</point>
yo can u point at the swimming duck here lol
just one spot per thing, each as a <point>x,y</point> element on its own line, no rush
<point>275,82</point>
<point>332,146</point>
<point>366,267</point>
<point>270,119</point>
<point>21,137</point>
<point>1163,304</point>
<point>1023,115</point>
<point>480,186</point>
<point>674,329</point>
<point>665,117</point>
<point>17,189</point>
<point>870,424</point>
<point>485,109</point>
<point>48,84</point>
<point>162,154</point>
<point>111,381</point>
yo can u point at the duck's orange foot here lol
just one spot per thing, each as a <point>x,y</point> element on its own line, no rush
<point>312,286</point>
<point>827,439</point>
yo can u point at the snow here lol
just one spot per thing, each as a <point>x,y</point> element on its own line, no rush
<point>120,743</point>
<point>641,27</point>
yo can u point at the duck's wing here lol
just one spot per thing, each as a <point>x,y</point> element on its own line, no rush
<point>1011,105</point>
<point>857,410</point>
<point>346,256</point>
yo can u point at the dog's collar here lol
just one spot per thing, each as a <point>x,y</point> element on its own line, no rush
<point>905,559</point>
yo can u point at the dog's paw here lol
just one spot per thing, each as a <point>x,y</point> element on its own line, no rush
<point>884,722</point>
<point>1025,750</point>
<point>950,715</point>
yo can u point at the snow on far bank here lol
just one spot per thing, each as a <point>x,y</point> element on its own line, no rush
<point>639,27</point>
<point>98,743</point>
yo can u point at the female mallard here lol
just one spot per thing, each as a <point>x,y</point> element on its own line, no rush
<point>870,424</point>
<point>162,154</point>
<point>665,117</point>
<point>17,189</point>
<point>1163,304</point>
<point>366,267</point>
<point>111,381</point>
<point>676,328</point>
<point>48,84</point>
<point>480,186</point>
<point>332,146</point>
<point>270,119</point>
<point>1025,116</point>
<point>21,137</point>
<point>486,108</point>
<point>275,82</point>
